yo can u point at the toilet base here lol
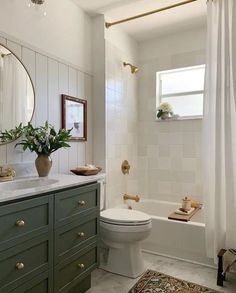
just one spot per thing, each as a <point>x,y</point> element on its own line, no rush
<point>125,260</point>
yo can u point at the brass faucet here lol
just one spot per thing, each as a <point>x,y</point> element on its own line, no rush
<point>7,174</point>
<point>131,197</point>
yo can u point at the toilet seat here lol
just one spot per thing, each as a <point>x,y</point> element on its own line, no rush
<point>124,217</point>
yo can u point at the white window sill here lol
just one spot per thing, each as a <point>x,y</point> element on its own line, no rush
<point>180,119</point>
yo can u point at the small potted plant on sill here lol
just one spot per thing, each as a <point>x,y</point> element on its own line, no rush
<point>44,140</point>
<point>164,111</point>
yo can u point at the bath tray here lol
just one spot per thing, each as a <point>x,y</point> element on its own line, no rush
<point>183,218</point>
<point>84,172</point>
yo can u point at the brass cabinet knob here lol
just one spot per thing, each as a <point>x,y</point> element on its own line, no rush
<point>20,266</point>
<point>81,266</point>
<point>81,234</point>
<point>20,223</point>
<point>81,202</point>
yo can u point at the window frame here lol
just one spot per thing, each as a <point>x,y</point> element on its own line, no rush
<point>159,95</point>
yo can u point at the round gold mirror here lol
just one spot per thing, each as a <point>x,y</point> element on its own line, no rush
<point>17,96</point>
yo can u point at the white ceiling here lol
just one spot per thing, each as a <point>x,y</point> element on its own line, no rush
<point>170,21</point>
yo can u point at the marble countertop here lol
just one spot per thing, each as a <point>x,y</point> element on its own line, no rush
<point>57,182</point>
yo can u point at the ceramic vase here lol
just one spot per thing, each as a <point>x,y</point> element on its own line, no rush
<point>43,165</point>
<point>165,116</point>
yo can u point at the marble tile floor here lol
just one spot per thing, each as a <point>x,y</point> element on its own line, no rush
<point>104,282</point>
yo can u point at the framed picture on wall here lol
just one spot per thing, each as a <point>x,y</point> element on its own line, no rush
<point>74,115</point>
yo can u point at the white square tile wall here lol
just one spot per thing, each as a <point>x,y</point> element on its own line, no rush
<point>165,157</point>
<point>169,152</point>
<point>121,123</point>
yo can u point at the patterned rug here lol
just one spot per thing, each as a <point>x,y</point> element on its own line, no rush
<point>154,282</point>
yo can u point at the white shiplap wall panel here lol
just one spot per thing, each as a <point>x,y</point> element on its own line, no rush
<point>73,151</point>
<point>81,85</point>
<point>82,154</point>
<point>81,94</point>
<point>88,95</point>
<point>51,78</point>
<point>73,155</point>
<point>72,82</point>
<point>14,154</point>
<point>54,100</point>
<point>55,162</point>
<point>41,107</point>
<point>63,89</point>
<point>54,105</point>
<point>29,61</point>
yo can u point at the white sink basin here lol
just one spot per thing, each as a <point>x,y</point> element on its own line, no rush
<point>26,184</point>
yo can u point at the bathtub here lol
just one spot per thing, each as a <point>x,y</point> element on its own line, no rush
<point>181,240</point>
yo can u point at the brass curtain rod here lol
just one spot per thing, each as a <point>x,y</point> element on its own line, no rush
<point>109,24</point>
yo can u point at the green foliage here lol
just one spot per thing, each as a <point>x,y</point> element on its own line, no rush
<point>44,139</point>
<point>13,134</point>
<point>159,113</point>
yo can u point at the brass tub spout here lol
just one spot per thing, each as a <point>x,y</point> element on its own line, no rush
<point>131,197</point>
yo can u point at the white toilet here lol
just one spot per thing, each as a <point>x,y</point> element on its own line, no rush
<point>122,230</point>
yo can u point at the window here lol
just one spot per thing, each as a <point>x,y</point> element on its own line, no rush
<point>183,89</point>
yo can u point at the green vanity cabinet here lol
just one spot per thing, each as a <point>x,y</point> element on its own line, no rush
<point>49,243</point>
<point>70,238</point>
<point>71,271</point>
<point>76,247</point>
<point>26,241</point>
<point>74,203</point>
<point>24,220</point>
<point>38,284</point>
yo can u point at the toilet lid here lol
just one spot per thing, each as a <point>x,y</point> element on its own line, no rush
<point>124,217</point>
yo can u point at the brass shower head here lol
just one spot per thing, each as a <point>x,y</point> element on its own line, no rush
<point>134,69</point>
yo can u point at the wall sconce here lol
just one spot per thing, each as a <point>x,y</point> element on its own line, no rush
<point>38,5</point>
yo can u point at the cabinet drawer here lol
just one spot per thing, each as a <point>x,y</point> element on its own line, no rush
<point>24,220</point>
<point>20,264</point>
<point>71,204</point>
<point>83,286</point>
<point>70,238</point>
<point>75,268</point>
<point>39,284</point>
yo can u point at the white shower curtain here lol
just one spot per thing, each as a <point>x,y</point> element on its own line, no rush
<point>219,127</point>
